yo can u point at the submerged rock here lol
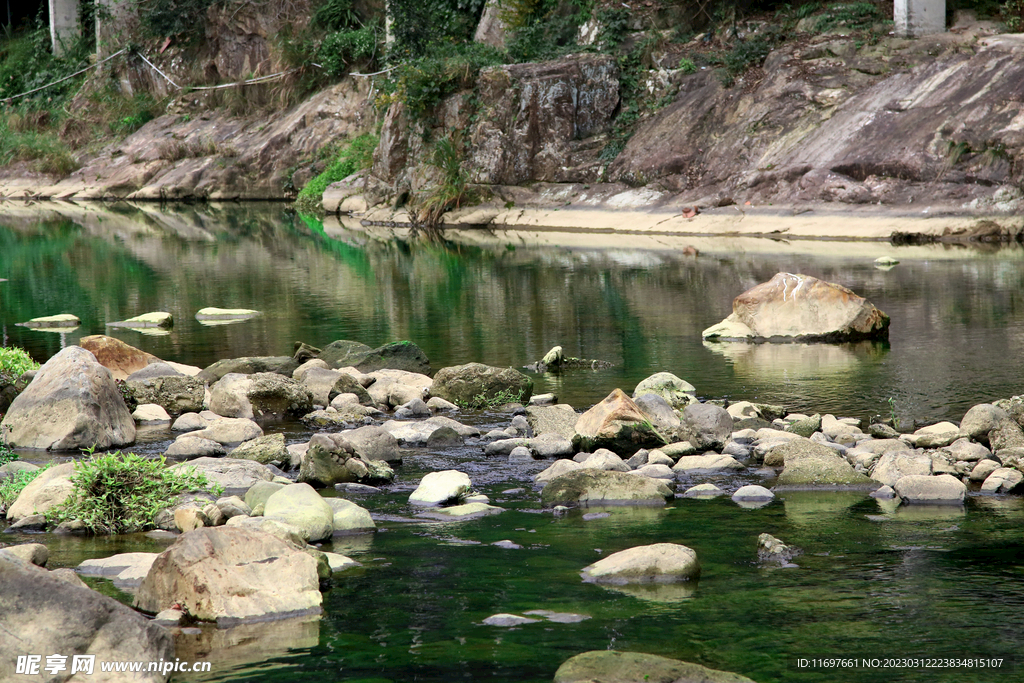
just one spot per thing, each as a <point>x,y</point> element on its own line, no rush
<point>771,550</point>
<point>800,308</point>
<point>636,667</point>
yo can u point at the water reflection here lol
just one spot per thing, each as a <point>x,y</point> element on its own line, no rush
<point>768,362</point>
<point>505,298</point>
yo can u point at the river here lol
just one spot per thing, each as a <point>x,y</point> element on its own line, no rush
<point>872,582</point>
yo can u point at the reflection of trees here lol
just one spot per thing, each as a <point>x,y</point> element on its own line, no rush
<point>504,302</point>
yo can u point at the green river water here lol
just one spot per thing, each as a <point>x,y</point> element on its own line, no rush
<point>872,583</point>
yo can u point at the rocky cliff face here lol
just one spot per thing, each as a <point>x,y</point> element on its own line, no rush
<point>828,122</point>
<point>825,120</point>
<point>530,122</point>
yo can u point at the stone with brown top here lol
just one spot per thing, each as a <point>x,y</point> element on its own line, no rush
<point>618,424</point>
<point>120,358</point>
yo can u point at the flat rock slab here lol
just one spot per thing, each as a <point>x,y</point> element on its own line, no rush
<point>214,313</point>
<point>508,620</point>
<point>61,320</point>
<point>154,319</point>
<point>115,564</point>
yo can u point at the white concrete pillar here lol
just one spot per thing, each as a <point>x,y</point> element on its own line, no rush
<point>915,18</point>
<point>64,27</point>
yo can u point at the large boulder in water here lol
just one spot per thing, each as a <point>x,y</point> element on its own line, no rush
<point>44,614</point>
<point>656,563</point>
<point>800,307</point>
<point>401,355</point>
<point>72,403</point>
<point>232,574</point>
<point>113,354</point>
<point>476,385</point>
<point>710,425</point>
<point>636,667</point>
<point>600,487</point>
<point>618,424</point>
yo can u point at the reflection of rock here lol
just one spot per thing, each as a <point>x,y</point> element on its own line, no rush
<point>929,513</point>
<point>247,643</point>
<point>797,361</point>
<point>814,508</point>
<point>655,592</point>
<point>800,307</point>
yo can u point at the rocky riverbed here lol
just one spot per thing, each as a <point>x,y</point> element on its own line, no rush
<point>366,412</point>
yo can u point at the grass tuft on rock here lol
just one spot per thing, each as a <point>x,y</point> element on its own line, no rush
<point>353,157</point>
<point>120,493</point>
<point>14,362</point>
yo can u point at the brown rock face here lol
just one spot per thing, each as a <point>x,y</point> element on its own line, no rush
<point>800,307</point>
<point>232,574</point>
<point>72,403</point>
<point>113,354</point>
<point>618,424</point>
<point>41,613</point>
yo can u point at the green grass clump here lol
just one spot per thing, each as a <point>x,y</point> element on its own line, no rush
<point>484,401</point>
<point>13,363</point>
<point>119,493</point>
<point>852,16</point>
<point>355,156</point>
<point>6,455</point>
<point>12,486</point>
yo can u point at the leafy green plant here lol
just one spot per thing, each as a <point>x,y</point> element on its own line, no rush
<point>453,188</point>
<point>1013,15</point>
<point>6,455</point>
<point>339,50</point>
<point>14,362</point>
<point>744,55</point>
<point>422,83</point>
<point>335,15</point>
<point>421,25</point>
<point>355,156</point>
<point>167,18</point>
<point>851,16</point>
<point>892,413</point>
<point>543,29</point>
<point>117,493</point>
<point>12,486</point>
<point>485,401</point>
